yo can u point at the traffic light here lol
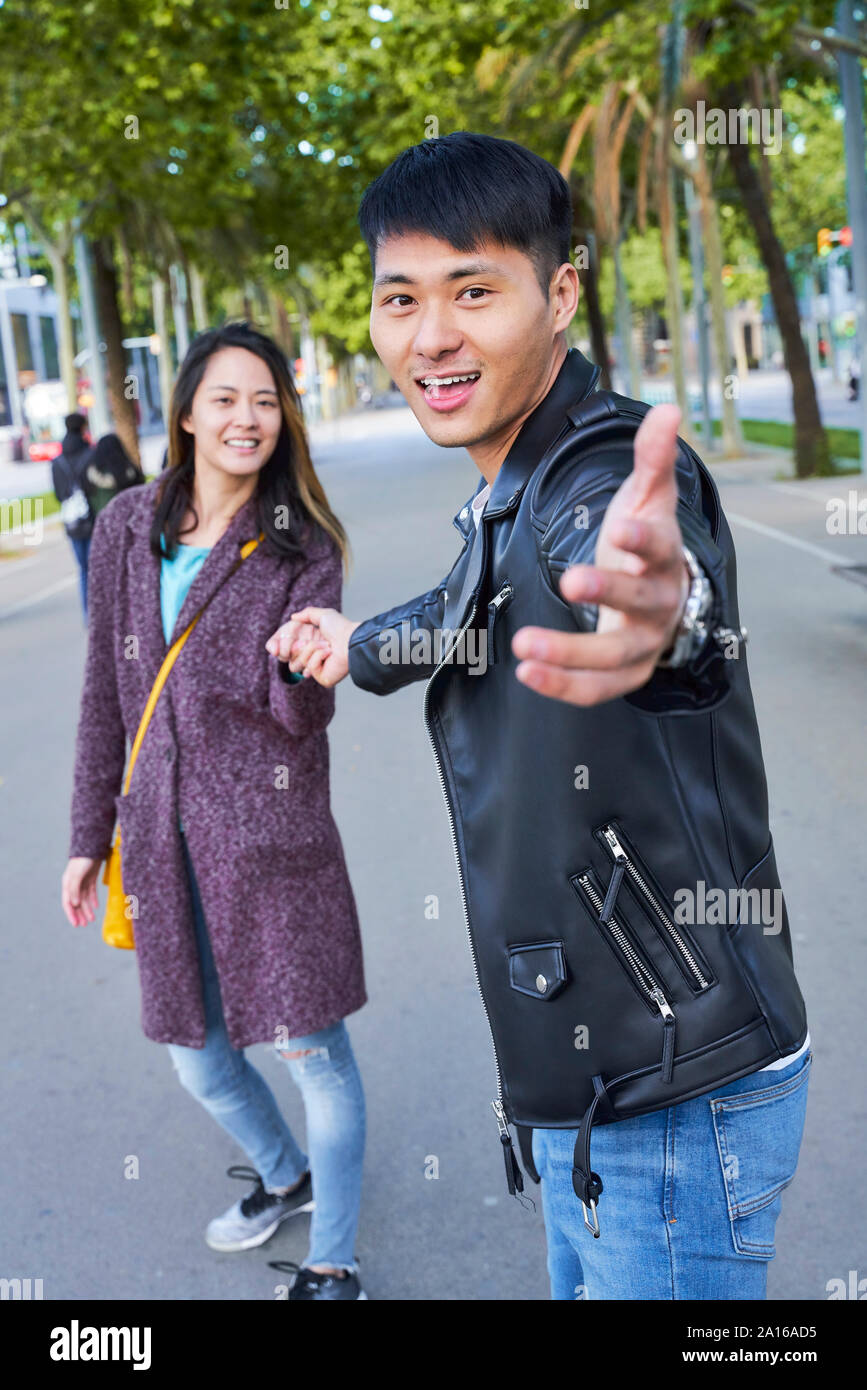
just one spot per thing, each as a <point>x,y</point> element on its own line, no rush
<point>728,274</point>
<point>826,239</point>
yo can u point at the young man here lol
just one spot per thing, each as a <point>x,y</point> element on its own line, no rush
<point>591,830</point>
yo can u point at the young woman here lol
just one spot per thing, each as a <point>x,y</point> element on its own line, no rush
<point>233,870</point>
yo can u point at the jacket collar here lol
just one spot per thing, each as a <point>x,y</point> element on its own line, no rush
<point>217,566</point>
<point>576,378</point>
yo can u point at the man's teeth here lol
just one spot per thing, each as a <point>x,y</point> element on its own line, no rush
<point>448,380</point>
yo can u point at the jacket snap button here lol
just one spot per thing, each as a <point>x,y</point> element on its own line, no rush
<point>541,983</point>
<point>464,513</point>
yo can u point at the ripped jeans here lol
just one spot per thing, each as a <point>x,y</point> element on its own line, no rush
<point>239,1098</point>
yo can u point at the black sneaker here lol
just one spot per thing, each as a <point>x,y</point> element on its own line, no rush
<point>309,1286</point>
<point>254,1218</point>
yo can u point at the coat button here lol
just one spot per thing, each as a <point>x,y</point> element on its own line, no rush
<point>169,754</point>
<point>541,983</point>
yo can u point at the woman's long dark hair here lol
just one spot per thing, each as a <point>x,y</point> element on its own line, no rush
<point>287,491</point>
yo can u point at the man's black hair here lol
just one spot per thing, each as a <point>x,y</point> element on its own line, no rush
<point>75,423</point>
<point>467,188</point>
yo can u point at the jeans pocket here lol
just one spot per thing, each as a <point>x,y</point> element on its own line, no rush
<point>758,1135</point>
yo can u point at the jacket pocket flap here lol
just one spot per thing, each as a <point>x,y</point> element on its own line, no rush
<point>537,968</point>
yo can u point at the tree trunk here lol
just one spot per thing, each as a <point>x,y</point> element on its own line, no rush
<point>160,295</point>
<point>629,372</point>
<point>65,337</point>
<point>281,328</point>
<point>199,299</point>
<point>590,283</point>
<point>122,406</point>
<point>732,438</point>
<point>812,455</point>
<point>666,204</point>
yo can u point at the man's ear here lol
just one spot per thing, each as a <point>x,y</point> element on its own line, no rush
<point>565,290</point>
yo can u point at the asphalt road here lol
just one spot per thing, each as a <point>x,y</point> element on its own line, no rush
<point>83,1089</point>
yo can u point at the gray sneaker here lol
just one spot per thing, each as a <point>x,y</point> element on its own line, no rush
<point>255,1218</point>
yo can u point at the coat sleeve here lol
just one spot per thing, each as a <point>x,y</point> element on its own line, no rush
<point>100,750</point>
<point>570,538</point>
<point>302,706</point>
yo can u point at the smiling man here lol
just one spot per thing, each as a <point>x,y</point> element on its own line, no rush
<point>598,568</point>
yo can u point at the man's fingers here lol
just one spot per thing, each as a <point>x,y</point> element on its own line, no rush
<point>316,661</point>
<point>655,452</point>
<point>301,659</point>
<point>641,595</point>
<point>581,687</point>
<point>587,651</point>
<point>656,544</point>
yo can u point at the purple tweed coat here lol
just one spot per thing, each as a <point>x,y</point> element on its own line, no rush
<point>242,756</point>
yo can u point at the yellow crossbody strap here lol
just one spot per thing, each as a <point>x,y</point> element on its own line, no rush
<point>162,675</point>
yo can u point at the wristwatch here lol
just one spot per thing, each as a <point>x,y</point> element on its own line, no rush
<point>691,633</point>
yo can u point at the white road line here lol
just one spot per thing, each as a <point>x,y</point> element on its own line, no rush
<point>828,556</point>
<point>815,496</point>
<point>37,598</point>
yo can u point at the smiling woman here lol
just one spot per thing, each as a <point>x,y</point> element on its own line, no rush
<point>234,881</point>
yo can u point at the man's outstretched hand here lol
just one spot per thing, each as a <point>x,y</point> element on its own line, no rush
<point>639,580</point>
<point>315,641</point>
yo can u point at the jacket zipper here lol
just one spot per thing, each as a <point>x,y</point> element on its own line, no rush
<point>650,986</point>
<point>496,603</point>
<point>513,1173</point>
<point>621,857</point>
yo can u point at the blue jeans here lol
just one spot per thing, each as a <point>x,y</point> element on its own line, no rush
<point>241,1101</point>
<point>691,1194</point>
<point>81,550</point>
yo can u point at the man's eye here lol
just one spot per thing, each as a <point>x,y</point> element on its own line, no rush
<point>474,290</point>
<point>407,298</point>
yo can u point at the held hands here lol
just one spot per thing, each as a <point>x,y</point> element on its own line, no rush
<point>78,890</point>
<point>639,580</point>
<point>315,641</point>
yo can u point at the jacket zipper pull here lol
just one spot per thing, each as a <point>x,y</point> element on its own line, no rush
<point>514,1176</point>
<point>669,1022</point>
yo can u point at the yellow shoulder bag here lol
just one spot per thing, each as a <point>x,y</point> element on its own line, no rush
<point>117,926</point>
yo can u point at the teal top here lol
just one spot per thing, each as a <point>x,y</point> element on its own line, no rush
<point>176,576</point>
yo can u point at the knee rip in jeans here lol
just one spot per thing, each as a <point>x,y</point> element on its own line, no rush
<point>307,1052</point>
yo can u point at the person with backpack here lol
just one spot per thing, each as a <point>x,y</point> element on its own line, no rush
<point>234,882</point>
<point>75,509</point>
<point>107,470</point>
<point>602,769</point>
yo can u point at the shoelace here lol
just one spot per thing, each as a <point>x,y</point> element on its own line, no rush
<point>256,1201</point>
<point>311,1279</point>
<point>308,1277</point>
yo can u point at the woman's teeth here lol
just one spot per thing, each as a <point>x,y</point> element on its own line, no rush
<point>245,445</point>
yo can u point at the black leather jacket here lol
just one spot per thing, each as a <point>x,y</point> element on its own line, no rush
<point>591,842</point>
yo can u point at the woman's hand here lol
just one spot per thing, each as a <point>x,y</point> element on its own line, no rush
<point>78,890</point>
<point>315,641</point>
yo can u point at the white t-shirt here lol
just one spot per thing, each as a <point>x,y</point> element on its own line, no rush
<point>479,504</point>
